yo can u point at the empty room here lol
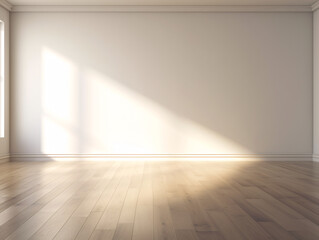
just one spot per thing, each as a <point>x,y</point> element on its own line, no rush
<point>159,119</point>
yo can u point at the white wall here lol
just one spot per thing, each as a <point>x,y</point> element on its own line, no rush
<point>161,83</point>
<point>4,142</point>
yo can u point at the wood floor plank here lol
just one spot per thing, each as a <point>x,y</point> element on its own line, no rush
<point>70,228</point>
<point>89,226</point>
<point>69,209</point>
<point>34,223</point>
<point>163,223</point>
<point>175,200</point>
<point>144,216</point>
<point>227,228</point>
<point>277,232</point>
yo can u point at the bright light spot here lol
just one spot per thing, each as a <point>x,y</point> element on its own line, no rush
<point>126,122</point>
<point>87,112</point>
<point>59,103</point>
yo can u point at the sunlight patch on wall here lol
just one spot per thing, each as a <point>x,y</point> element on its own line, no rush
<point>59,103</point>
<point>127,122</point>
<point>87,112</point>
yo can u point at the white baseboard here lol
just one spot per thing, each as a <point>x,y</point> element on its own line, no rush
<point>161,157</point>
<point>315,158</point>
<point>4,158</point>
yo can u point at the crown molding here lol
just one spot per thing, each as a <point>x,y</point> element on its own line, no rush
<point>158,8</point>
<point>6,5</point>
<point>315,6</point>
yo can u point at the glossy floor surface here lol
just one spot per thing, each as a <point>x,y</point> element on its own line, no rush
<point>159,200</point>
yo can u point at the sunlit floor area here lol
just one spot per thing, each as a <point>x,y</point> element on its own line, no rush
<point>159,200</point>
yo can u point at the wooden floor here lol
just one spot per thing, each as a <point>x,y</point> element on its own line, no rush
<point>159,200</point>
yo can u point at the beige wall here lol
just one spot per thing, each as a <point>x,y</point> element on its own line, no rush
<point>4,142</point>
<point>161,83</point>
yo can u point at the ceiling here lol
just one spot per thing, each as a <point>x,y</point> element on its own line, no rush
<point>165,2</point>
